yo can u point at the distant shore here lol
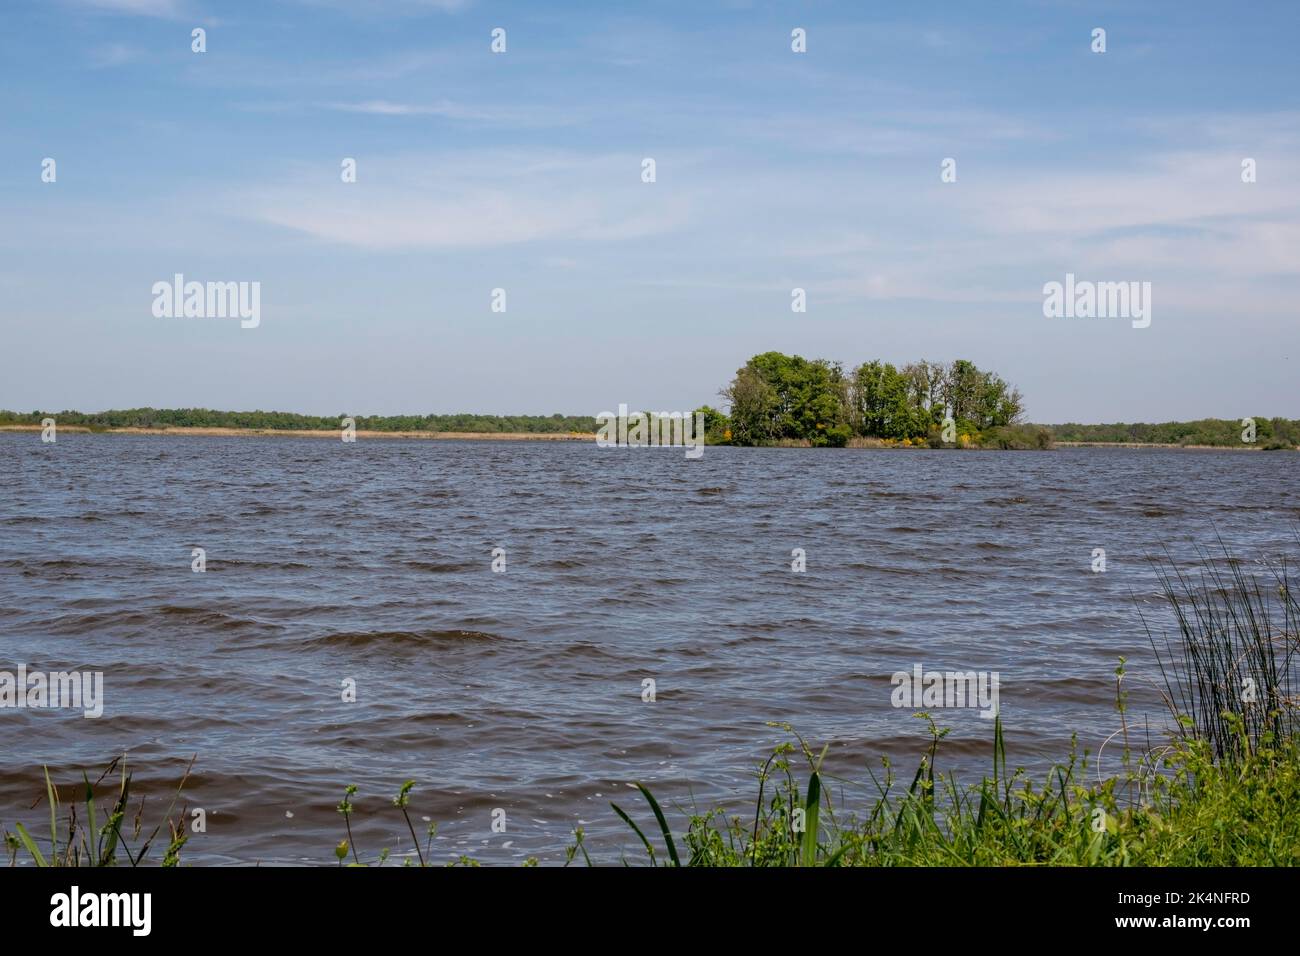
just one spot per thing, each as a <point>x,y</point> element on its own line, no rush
<point>313,433</point>
<point>1152,444</point>
<point>184,430</point>
<point>834,420</point>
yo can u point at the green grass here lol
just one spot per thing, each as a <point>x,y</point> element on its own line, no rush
<point>1181,808</point>
<point>82,841</point>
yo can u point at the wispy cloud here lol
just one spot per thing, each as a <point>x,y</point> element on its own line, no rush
<point>390,7</point>
<point>111,55</point>
<point>169,9</point>
<point>387,108</point>
<point>472,201</point>
<point>446,109</point>
<point>284,74</point>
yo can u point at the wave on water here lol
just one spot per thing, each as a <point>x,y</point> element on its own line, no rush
<point>430,638</point>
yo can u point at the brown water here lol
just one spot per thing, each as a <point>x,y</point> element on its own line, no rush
<point>522,690</point>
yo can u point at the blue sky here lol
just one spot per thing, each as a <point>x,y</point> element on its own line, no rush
<point>522,170</point>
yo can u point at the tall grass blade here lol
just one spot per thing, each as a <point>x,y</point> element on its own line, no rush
<point>92,843</point>
<point>30,844</point>
<point>637,830</point>
<point>663,824</point>
<point>54,826</point>
<point>812,808</point>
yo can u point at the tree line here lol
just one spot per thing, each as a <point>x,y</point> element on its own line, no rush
<point>1269,433</point>
<point>291,421</point>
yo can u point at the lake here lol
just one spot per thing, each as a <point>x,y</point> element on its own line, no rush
<point>332,566</point>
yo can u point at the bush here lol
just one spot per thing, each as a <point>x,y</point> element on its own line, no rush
<point>1018,437</point>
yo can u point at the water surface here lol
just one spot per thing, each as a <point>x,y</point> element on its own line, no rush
<point>523,690</point>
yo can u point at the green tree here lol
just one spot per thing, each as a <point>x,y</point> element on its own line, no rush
<point>776,396</point>
<point>881,403</point>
